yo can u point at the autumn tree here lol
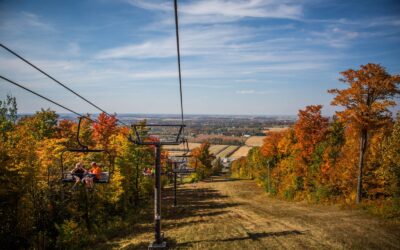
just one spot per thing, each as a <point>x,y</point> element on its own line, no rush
<point>8,115</point>
<point>43,124</point>
<point>67,129</point>
<point>270,147</point>
<point>310,129</point>
<point>202,160</point>
<point>217,166</point>
<point>23,180</point>
<point>239,167</point>
<point>332,147</point>
<point>270,150</point>
<point>105,127</point>
<point>366,101</point>
<point>391,159</point>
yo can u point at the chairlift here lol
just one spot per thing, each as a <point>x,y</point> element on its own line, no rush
<point>105,176</point>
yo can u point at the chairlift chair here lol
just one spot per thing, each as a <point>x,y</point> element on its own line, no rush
<point>105,176</point>
<point>164,134</point>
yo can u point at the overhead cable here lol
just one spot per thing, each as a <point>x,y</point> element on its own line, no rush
<point>47,99</point>
<point>179,56</point>
<point>58,82</point>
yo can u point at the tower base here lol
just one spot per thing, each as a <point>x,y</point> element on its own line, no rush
<point>162,245</point>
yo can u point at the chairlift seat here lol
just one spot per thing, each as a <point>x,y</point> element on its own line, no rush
<point>68,177</point>
<point>184,170</point>
<point>104,177</point>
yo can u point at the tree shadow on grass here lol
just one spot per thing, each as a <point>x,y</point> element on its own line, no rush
<point>205,218</point>
<point>249,236</point>
<point>220,179</point>
<point>192,203</point>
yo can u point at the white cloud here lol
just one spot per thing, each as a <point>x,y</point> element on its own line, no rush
<point>34,21</point>
<point>252,92</point>
<point>149,49</point>
<point>246,80</point>
<point>289,67</point>
<point>194,41</point>
<point>384,21</point>
<point>151,5</point>
<point>220,11</point>
<point>245,92</point>
<point>371,22</point>
<point>25,21</point>
<point>335,37</point>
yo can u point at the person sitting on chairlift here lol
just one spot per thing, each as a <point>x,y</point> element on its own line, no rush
<point>147,171</point>
<point>78,173</point>
<point>93,175</point>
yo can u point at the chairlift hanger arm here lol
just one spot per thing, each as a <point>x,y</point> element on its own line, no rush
<point>77,135</point>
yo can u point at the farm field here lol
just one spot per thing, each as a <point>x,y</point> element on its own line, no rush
<point>231,150</point>
<point>237,214</point>
<point>216,149</point>
<point>241,152</point>
<point>255,141</point>
<point>277,129</point>
<point>181,146</point>
<point>227,151</point>
<point>217,139</point>
<point>221,151</point>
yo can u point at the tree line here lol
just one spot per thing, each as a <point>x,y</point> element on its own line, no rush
<point>351,156</point>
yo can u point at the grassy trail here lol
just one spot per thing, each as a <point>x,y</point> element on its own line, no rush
<point>236,214</point>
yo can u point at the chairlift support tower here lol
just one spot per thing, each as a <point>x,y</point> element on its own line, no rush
<point>175,170</point>
<point>159,242</point>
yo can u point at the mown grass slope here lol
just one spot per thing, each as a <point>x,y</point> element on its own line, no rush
<point>237,214</point>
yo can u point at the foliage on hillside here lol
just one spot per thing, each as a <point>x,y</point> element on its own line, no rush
<point>202,161</point>
<point>319,160</point>
<point>38,210</point>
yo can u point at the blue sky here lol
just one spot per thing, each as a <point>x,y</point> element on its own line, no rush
<point>238,57</point>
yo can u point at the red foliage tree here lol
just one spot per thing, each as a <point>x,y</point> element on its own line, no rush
<point>105,127</point>
<point>310,129</point>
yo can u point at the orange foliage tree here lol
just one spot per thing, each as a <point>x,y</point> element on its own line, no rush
<point>202,160</point>
<point>270,147</point>
<point>104,129</point>
<point>310,129</point>
<point>366,101</point>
